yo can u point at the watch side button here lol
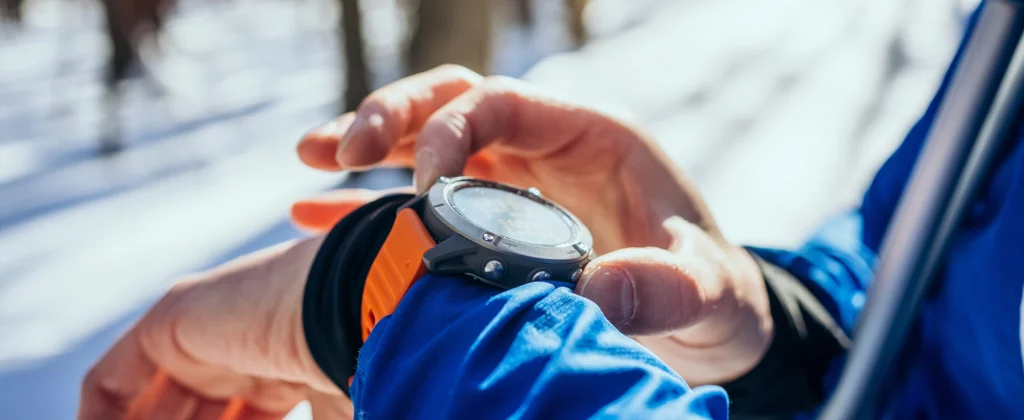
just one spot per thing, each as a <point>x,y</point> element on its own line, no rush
<point>541,276</point>
<point>576,275</point>
<point>494,270</point>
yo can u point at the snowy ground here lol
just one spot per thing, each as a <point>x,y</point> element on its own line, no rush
<point>780,110</point>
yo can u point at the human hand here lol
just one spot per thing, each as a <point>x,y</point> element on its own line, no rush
<point>234,332</point>
<point>667,274</point>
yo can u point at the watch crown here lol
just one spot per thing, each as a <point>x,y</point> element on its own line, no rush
<point>534,191</point>
<point>444,180</point>
<point>541,276</point>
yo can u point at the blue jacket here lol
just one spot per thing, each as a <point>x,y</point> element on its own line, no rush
<point>965,356</point>
<point>457,349</point>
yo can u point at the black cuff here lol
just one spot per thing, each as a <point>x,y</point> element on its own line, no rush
<point>789,379</point>
<point>332,301</point>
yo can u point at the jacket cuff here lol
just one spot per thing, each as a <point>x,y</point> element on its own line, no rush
<point>789,379</point>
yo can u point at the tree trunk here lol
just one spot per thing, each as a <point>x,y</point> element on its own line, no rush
<point>452,31</point>
<point>357,72</point>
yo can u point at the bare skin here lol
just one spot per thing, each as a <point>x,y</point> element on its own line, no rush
<point>235,331</point>
<point>666,275</point>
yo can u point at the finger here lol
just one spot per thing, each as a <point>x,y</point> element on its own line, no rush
<point>400,156</point>
<point>522,122</point>
<point>146,401</point>
<point>116,380</point>
<point>321,213</point>
<point>399,110</point>
<point>259,415</point>
<point>238,409</point>
<point>479,165</point>
<point>213,410</point>
<point>270,399</point>
<point>643,290</point>
<point>319,147</point>
<point>233,409</point>
<point>653,290</point>
<point>164,399</point>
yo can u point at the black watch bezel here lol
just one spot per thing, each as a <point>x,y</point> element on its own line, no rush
<point>465,248</point>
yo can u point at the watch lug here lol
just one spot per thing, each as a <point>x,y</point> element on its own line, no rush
<point>417,204</point>
<point>447,256</point>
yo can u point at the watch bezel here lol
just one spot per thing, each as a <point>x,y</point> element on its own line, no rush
<point>577,248</point>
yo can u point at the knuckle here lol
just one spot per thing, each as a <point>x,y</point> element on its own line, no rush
<point>166,307</point>
<point>179,289</point>
<point>500,102</point>
<point>375,103</point>
<point>91,380</point>
<point>458,71</point>
<point>501,85</point>
<point>97,384</point>
<point>446,133</point>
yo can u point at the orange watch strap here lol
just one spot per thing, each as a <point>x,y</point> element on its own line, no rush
<point>398,265</point>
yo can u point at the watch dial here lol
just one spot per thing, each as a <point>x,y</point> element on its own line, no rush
<point>512,216</point>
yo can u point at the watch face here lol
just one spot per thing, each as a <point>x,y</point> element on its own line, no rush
<point>512,216</point>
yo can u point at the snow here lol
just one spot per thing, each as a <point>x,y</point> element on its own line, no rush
<point>779,110</point>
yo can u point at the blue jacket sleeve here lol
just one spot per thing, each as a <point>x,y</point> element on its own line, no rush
<point>456,348</point>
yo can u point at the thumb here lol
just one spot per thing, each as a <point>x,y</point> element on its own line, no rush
<point>322,212</point>
<point>649,290</point>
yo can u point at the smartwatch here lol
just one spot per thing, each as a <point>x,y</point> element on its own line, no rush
<point>495,233</point>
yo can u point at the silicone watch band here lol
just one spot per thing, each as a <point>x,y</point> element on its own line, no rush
<point>332,302</point>
<point>399,264</point>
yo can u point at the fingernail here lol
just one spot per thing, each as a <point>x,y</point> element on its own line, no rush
<point>611,288</point>
<point>369,128</point>
<point>328,129</point>
<point>337,126</point>
<point>301,209</point>
<point>346,139</point>
<point>426,169</point>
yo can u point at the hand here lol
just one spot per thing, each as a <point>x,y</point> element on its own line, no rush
<point>232,332</point>
<point>667,275</point>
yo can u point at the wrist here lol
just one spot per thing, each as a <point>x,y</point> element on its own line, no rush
<point>332,314</point>
<point>306,366</point>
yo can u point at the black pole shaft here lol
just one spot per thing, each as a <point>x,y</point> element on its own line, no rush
<point>981,103</point>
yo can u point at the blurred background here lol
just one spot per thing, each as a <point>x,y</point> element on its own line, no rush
<point>144,139</point>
